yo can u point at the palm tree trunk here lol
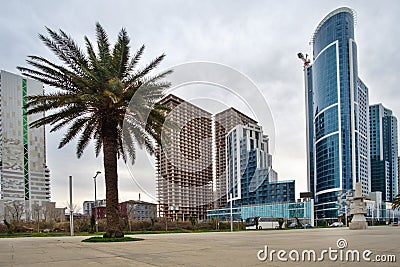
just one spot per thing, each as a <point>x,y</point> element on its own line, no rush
<point>113,228</point>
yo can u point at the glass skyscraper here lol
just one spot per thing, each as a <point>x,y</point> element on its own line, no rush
<point>384,151</point>
<point>250,176</point>
<point>337,114</point>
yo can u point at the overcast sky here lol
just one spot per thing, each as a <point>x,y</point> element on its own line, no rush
<point>258,38</point>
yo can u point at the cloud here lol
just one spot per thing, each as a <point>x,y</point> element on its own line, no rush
<point>258,38</point>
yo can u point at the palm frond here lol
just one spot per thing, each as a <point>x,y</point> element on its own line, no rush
<point>142,73</point>
<point>121,54</point>
<point>396,202</point>
<point>103,44</point>
<point>74,130</point>
<point>135,59</point>
<point>85,137</point>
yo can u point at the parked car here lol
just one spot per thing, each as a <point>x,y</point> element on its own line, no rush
<point>292,225</point>
<point>337,224</point>
<point>24,229</point>
<point>307,226</point>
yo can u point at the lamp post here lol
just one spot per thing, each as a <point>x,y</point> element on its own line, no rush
<point>231,213</point>
<point>95,201</point>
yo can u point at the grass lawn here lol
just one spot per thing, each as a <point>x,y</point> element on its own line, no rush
<point>97,239</point>
<point>35,234</point>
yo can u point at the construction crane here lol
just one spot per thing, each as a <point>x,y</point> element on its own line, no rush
<point>305,59</point>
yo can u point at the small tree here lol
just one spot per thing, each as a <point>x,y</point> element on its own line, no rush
<point>193,221</point>
<point>281,221</point>
<point>92,223</point>
<point>9,228</point>
<point>36,210</point>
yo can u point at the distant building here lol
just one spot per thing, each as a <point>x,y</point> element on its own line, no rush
<point>384,151</point>
<point>100,211</point>
<point>184,161</point>
<point>88,205</point>
<point>249,167</point>
<point>139,210</point>
<point>50,213</point>
<point>224,122</point>
<point>286,210</point>
<point>14,211</point>
<point>243,164</point>
<point>24,176</point>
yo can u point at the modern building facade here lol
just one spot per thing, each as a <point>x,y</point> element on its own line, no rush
<point>384,151</point>
<point>24,176</point>
<point>337,114</point>
<point>287,210</point>
<point>223,123</point>
<point>249,168</point>
<point>184,161</point>
<point>398,174</point>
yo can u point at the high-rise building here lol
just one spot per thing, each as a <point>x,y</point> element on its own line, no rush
<point>249,168</point>
<point>337,114</point>
<point>398,175</point>
<point>383,151</point>
<point>224,122</point>
<point>24,176</point>
<point>184,161</point>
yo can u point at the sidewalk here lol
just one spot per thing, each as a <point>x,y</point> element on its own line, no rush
<point>199,249</point>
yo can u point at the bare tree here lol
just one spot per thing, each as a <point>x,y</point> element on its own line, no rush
<point>36,214</point>
<point>15,210</point>
<point>130,210</point>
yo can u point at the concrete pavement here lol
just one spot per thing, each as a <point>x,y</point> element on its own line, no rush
<point>208,249</point>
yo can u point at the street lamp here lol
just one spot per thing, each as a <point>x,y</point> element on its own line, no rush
<point>95,201</point>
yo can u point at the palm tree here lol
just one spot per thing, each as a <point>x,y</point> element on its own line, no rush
<point>396,202</point>
<point>93,100</point>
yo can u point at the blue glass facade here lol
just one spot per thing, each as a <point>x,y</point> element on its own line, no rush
<point>249,170</point>
<point>310,129</point>
<point>286,210</point>
<point>384,151</point>
<point>266,192</point>
<point>338,150</point>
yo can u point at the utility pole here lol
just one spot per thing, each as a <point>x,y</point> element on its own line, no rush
<point>231,213</point>
<point>71,210</point>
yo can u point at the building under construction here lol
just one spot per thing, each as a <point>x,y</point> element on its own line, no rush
<point>184,161</point>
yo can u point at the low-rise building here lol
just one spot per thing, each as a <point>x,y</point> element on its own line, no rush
<point>88,205</point>
<point>139,210</point>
